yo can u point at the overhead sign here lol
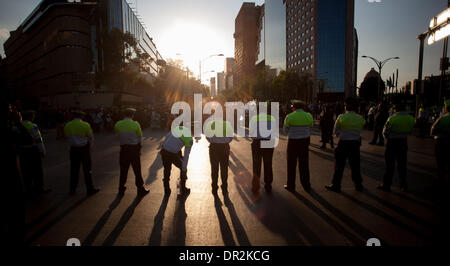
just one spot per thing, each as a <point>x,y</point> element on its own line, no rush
<point>439,27</point>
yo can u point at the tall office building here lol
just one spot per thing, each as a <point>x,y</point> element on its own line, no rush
<point>229,69</point>
<point>53,57</point>
<point>220,82</point>
<point>272,46</point>
<point>212,86</point>
<point>246,41</point>
<point>321,40</point>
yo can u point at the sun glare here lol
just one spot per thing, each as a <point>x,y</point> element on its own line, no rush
<point>191,43</point>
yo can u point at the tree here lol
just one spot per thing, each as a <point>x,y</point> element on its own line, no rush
<point>125,65</point>
<point>292,84</point>
<point>368,90</point>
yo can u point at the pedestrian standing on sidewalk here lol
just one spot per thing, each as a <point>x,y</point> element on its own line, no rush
<point>171,153</point>
<point>130,135</point>
<point>396,132</point>
<point>81,139</point>
<point>219,134</point>
<point>326,127</point>
<point>348,128</point>
<point>381,117</point>
<point>298,124</point>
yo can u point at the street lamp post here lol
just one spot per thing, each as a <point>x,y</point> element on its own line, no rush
<point>204,59</point>
<point>380,65</point>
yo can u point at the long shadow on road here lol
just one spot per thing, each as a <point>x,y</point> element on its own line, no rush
<point>387,217</point>
<point>357,227</point>
<point>54,221</point>
<point>351,237</point>
<point>227,234</point>
<point>112,237</point>
<point>178,237</point>
<point>153,170</point>
<point>272,210</point>
<point>101,222</point>
<point>237,225</point>
<point>155,236</point>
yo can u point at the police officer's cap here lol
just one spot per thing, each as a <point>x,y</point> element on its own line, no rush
<point>78,112</point>
<point>298,103</point>
<point>129,111</point>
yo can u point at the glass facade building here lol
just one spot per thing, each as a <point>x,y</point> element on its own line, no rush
<point>122,17</point>
<point>331,43</point>
<point>320,40</point>
<point>275,34</point>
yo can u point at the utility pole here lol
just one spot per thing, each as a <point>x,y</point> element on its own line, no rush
<point>421,38</point>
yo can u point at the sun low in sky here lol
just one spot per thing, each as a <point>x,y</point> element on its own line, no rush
<point>193,42</point>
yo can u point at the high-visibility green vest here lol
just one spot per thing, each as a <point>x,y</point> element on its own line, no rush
<point>442,125</point>
<point>350,121</point>
<point>77,127</point>
<point>128,125</point>
<point>400,123</point>
<point>298,119</point>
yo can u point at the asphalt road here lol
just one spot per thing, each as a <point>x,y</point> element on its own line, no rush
<point>283,218</point>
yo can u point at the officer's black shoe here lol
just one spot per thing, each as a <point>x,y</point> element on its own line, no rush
<point>142,192</point>
<point>333,188</point>
<point>268,189</point>
<point>288,188</point>
<point>384,188</point>
<point>359,188</point>
<point>93,191</point>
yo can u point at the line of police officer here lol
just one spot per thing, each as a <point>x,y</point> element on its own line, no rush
<point>298,124</point>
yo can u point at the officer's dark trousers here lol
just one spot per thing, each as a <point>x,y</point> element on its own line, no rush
<point>260,155</point>
<point>219,156</point>
<point>31,167</point>
<point>130,155</point>
<point>168,159</point>
<point>396,151</point>
<point>347,149</point>
<point>80,156</point>
<point>298,150</point>
<point>442,151</point>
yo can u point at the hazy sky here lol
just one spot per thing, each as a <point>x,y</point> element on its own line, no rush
<point>195,29</point>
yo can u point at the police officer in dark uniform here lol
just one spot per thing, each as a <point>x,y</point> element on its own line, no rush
<point>219,134</point>
<point>348,128</point>
<point>130,135</point>
<point>262,150</point>
<point>299,124</point>
<point>396,131</point>
<point>81,139</point>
